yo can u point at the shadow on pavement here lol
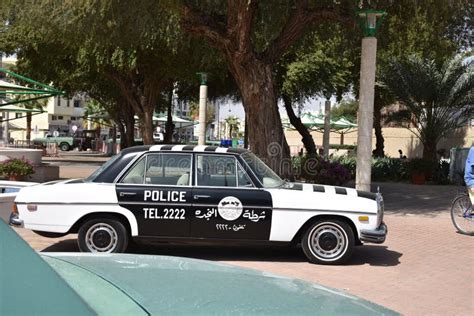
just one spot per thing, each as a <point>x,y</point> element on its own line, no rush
<point>375,256</point>
<point>411,199</point>
<point>372,255</point>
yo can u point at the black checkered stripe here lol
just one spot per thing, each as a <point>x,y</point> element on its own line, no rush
<point>331,189</point>
<point>196,148</point>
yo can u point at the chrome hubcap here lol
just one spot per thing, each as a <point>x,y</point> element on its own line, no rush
<point>328,241</point>
<point>101,237</point>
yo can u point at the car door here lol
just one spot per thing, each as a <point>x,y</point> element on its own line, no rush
<point>226,204</point>
<point>157,190</point>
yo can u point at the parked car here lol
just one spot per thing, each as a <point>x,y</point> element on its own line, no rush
<point>8,192</point>
<point>65,143</point>
<point>124,284</point>
<point>196,193</point>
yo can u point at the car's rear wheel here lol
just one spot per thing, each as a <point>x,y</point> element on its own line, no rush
<point>328,241</point>
<point>103,235</point>
<point>64,146</point>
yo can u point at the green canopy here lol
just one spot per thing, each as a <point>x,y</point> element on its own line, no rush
<point>315,122</point>
<point>34,90</point>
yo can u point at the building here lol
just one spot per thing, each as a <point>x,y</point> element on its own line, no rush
<point>61,114</point>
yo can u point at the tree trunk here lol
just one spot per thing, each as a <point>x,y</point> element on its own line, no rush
<point>266,137</point>
<point>379,140</point>
<point>146,125</point>
<point>130,131</point>
<point>28,127</point>
<point>306,137</point>
<point>121,128</point>
<point>429,150</point>
<point>246,132</point>
<point>169,119</point>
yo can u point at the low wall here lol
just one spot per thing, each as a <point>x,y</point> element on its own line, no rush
<point>43,172</point>
<point>32,155</point>
<point>395,138</point>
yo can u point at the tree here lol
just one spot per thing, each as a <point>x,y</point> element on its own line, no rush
<point>233,122</point>
<point>210,112</point>
<point>436,100</point>
<point>320,66</point>
<point>104,40</point>
<point>433,29</point>
<point>253,36</point>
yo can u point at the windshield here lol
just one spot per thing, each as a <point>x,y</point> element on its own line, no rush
<point>101,168</point>
<point>267,177</point>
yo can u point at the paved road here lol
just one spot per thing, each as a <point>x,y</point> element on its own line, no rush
<point>424,267</point>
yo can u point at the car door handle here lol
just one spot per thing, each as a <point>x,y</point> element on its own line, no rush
<point>197,197</point>
<point>127,193</point>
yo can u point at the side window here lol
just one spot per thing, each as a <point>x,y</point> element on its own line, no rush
<point>243,179</point>
<point>136,173</point>
<point>168,169</point>
<point>216,171</point>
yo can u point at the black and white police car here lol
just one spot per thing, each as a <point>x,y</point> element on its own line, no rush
<point>183,192</point>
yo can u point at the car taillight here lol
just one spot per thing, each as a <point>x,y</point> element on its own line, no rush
<point>32,207</point>
<point>14,209</point>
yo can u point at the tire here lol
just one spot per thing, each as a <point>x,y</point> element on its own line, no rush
<point>64,146</point>
<point>328,241</point>
<point>103,235</point>
<point>49,234</point>
<point>462,214</point>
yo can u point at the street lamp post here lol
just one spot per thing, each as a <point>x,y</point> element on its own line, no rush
<point>202,108</point>
<point>369,21</point>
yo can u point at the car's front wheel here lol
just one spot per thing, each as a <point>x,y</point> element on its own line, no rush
<point>328,241</point>
<point>103,235</point>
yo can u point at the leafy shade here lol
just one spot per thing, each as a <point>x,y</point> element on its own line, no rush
<point>436,100</point>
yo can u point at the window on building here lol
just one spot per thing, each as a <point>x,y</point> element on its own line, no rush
<point>18,115</point>
<point>73,118</point>
<point>68,103</point>
<point>59,101</point>
<point>77,103</point>
<point>54,118</point>
<point>60,117</point>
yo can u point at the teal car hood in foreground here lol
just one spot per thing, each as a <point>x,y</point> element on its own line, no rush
<point>121,284</point>
<point>172,285</point>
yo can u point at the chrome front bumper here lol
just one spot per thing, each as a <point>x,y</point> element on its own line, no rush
<point>376,236</point>
<point>15,220</point>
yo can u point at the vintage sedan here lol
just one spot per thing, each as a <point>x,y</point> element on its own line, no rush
<point>200,193</point>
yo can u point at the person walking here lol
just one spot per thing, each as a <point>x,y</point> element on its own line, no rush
<point>469,173</point>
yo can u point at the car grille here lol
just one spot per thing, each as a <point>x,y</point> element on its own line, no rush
<point>380,209</point>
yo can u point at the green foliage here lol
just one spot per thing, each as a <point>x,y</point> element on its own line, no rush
<point>383,169</point>
<point>389,169</point>
<point>16,167</point>
<point>436,99</point>
<point>420,165</point>
<point>347,109</point>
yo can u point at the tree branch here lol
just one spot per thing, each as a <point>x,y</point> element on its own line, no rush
<point>240,14</point>
<point>196,22</point>
<point>300,18</point>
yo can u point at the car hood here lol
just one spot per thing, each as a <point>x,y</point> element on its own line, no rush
<point>322,197</point>
<point>162,284</point>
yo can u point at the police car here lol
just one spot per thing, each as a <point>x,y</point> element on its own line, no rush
<point>183,192</point>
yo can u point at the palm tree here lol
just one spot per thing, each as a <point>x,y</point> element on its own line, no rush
<point>234,123</point>
<point>436,99</point>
